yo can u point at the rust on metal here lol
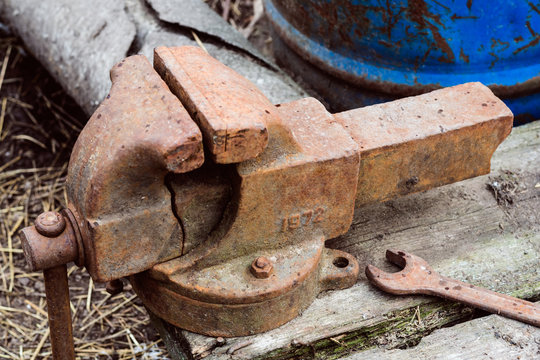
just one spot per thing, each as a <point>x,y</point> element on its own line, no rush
<point>285,203</point>
<point>241,236</point>
<point>417,277</point>
<point>342,25</point>
<point>261,267</point>
<point>57,294</point>
<point>76,225</point>
<point>230,111</point>
<point>422,142</point>
<point>300,191</point>
<point>200,199</point>
<point>49,251</point>
<point>239,313</point>
<point>117,169</point>
<point>50,224</point>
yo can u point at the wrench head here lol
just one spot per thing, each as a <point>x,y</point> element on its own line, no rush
<point>415,277</point>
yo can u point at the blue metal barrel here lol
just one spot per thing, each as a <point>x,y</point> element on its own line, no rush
<point>360,52</point>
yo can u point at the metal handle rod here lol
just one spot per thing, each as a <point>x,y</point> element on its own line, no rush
<point>61,332</point>
<point>488,300</point>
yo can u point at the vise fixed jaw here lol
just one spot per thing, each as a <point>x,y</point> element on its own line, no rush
<point>229,240</point>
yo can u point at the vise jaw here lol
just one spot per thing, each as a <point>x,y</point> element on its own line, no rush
<point>227,239</point>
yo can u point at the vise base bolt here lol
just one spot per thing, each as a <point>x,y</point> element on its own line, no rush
<point>261,267</point>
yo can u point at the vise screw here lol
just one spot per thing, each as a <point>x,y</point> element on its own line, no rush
<point>227,239</point>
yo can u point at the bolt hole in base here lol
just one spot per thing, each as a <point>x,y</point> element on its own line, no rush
<point>341,262</point>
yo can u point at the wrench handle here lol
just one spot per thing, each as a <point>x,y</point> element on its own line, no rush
<point>488,300</point>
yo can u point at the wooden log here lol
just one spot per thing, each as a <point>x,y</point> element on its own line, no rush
<point>485,231</point>
<point>78,42</point>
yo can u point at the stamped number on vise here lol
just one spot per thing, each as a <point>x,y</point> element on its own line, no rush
<point>296,220</point>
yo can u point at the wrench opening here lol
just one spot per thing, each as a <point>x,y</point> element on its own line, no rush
<point>401,282</point>
<point>397,257</point>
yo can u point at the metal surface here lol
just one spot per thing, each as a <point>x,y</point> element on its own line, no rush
<point>45,252</point>
<point>116,173</point>
<point>285,203</point>
<point>421,142</point>
<point>261,267</point>
<point>115,286</point>
<point>50,224</point>
<point>234,244</point>
<point>234,129</point>
<point>403,48</point>
<point>263,305</point>
<point>417,277</point>
<point>48,246</point>
<point>296,194</point>
<point>57,293</point>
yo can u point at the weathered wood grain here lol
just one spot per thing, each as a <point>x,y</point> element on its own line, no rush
<point>492,337</point>
<point>460,229</point>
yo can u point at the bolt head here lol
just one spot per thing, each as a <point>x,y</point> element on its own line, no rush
<point>50,224</point>
<point>261,267</point>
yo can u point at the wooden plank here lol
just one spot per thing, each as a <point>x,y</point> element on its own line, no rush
<point>460,229</point>
<point>492,336</point>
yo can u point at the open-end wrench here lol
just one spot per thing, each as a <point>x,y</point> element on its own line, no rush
<point>417,277</point>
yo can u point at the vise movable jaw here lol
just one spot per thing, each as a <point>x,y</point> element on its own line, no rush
<point>229,240</point>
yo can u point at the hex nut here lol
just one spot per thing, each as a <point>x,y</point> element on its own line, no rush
<point>261,267</point>
<point>50,224</point>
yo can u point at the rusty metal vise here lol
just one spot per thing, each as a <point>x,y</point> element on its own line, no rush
<point>228,239</point>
